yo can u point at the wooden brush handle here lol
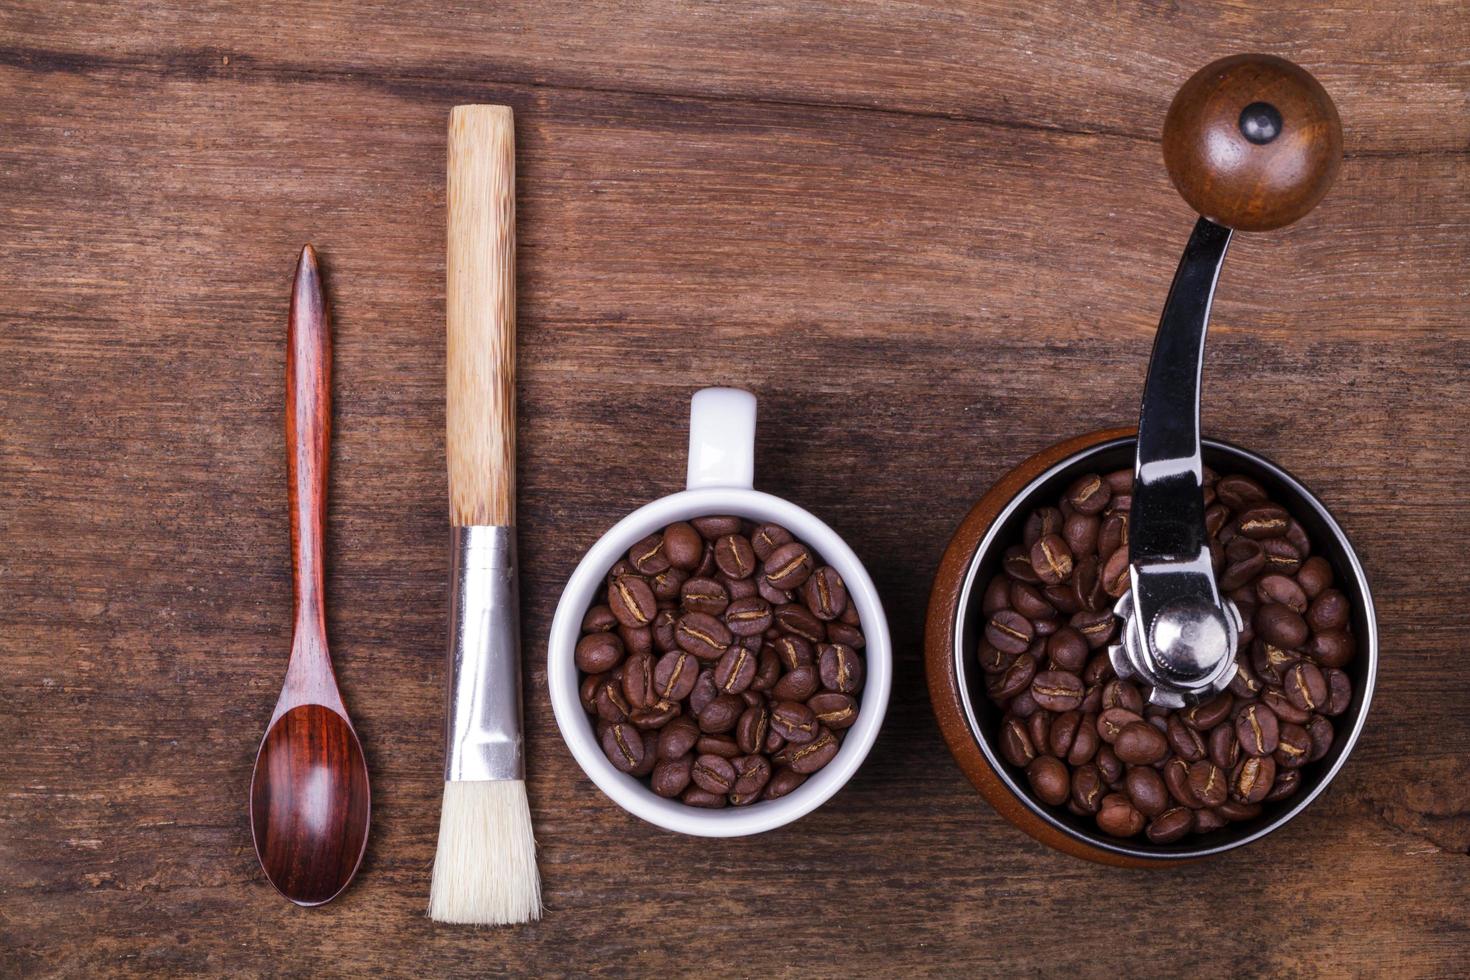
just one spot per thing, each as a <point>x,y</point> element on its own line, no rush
<point>480,303</point>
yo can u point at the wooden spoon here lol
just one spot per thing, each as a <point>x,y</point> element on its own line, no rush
<point>309,801</point>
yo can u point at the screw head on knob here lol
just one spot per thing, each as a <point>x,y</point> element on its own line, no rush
<point>1252,142</point>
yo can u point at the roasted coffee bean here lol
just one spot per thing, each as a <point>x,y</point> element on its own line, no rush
<point>638,686</point>
<point>808,758</point>
<point>702,635</point>
<point>1176,779</point>
<point>997,595</point>
<point>1085,743</point>
<point>767,538</point>
<point>1294,747</point>
<point>714,528</point>
<point>1170,825</point>
<point>1208,783</point>
<point>655,716</point>
<point>1315,576</point>
<point>683,546</point>
<point>704,595</point>
<point>1305,686</point>
<point>750,616</point>
<point>734,556</point>
<point>798,685</point>
<point>1062,598</point>
<point>1203,717</point>
<point>1066,650</point>
<point>623,567</point>
<point>623,745</point>
<point>1115,576</point>
<point>794,722</point>
<point>1185,742</point>
<point>1140,744</point>
<point>713,773</point>
<point>752,728</point>
<point>1281,556</point>
<point>1080,531</point>
<point>1271,661</point>
<point>647,556</point>
<point>836,711</point>
<point>1329,611</point>
<point>1111,722</point>
<point>1275,699</point>
<point>636,640</point>
<point>1244,561</point>
<point>794,652</point>
<point>783,783</point>
<point>720,745</point>
<point>694,796</point>
<point>645,768</point>
<point>599,619</point>
<point>752,773</point>
<point>598,652</point>
<point>631,601</point>
<point>1040,523</point>
<point>1039,727</point>
<point>1280,626</point>
<point>1087,788</point>
<point>665,625</point>
<point>1208,821</point>
<point>1245,683</point>
<point>1339,692</point>
<point>851,636</point>
<point>672,776</point>
<point>1049,779</point>
<point>735,670</point>
<point>1122,694</point>
<point>842,669</point>
<point>720,715</point>
<point>1027,600</point>
<point>1023,705</point>
<point>1146,790</point>
<point>1288,781</point>
<point>1321,731</point>
<point>1062,733</point>
<point>677,738</point>
<point>1089,494</point>
<point>1113,534</point>
<point>1263,521</point>
<point>1009,631</point>
<point>1054,690</point>
<point>1252,779</point>
<point>797,620</point>
<point>1109,764</point>
<point>1224,746</point>
<point>1334,648</point>
<point>1118,817</point>
<point>1051,560</point>
<point>739,588</point>
<point>1257,730</point>
<point>705,690</point>
<point>1087,586</point>
<point>1015,742</point>
<point>1282,589</point>
<point>611,703</point>
<point>824,593</point>
<point>789,566</point>
<point>1239,492</point>
<point>1017,564</point>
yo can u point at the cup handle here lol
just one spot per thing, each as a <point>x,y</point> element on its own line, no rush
<point>721,439</point>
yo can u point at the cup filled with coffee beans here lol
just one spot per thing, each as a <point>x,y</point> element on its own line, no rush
<point>720,663</point>
<point>1142,646</point>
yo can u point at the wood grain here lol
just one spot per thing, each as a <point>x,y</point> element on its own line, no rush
<point>932,239</point>
<point>480,297</point>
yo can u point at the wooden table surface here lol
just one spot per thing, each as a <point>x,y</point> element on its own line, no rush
<point>932,238</point>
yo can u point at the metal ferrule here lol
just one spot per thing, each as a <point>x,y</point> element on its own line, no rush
<point>482,734</point>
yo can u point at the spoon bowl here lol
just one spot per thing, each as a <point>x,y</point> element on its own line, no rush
<point>310,804</point>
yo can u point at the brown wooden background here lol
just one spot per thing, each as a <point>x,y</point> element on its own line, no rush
<point>932,237</point>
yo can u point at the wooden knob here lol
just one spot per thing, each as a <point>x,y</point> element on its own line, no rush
<point>1252,142</point>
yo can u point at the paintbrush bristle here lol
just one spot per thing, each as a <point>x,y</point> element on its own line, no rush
<point>485,867</point>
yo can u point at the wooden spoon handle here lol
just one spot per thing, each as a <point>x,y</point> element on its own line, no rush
<point>480,414</point>
<point>308,434</point>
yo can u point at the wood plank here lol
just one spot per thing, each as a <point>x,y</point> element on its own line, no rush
<point>919,302</point>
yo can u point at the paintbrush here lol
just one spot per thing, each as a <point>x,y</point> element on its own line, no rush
<point>485,867</point>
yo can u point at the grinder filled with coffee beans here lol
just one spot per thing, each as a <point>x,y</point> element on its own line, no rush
<point>1166,644</point>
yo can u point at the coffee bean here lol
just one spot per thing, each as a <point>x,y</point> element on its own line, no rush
<point>1245,683</point>
<point>713,774</point>
<point>824,593</point>
<point>655,716</point>
<point>631,601</point>
<point>1334,648</point>
<point>1208,783</point>
<point>1146,790</point>
<point>1017,564</point>
<point>767,538</point>
<point>1176,779</point>
<point>1115,576</point>
<point>1122,694</point>
<point>1288,781</point>
<point>1275,699</point>
<point>1080,531</point>
<point>735,670</point>
<point>836,711</point>
<point>694,796</point>
<point>1085,743</point>
<point>751,729</point>
<point>610,702</point>
<point>1140,743</point>
<point>1208,821</point>
<point>1294,748</point>
<point>1224,747</point>
<point>1185,742</point>
<point>723,746</point>
<point>1040,523</point>
<point>1027,600</point>
<point>1257,730</point>
<point>1202,717</point>
<point>1339,692</point>
<point>704,595</point>
<point>841,668</point>
<point>702,635</point>
<point>599,619</point>
<point>783,783</point>
<point>665,624</point>
<point>797,685</point>
<point>1015,743</point>
<point>750,616</point>
<point>720,715</point>
<point>714,528</point>
<point>797,620</point>
<point>1056,690</point>
<point>1170,825</point>
<point>1244,561</point>
<point>1089,494</point>
<point>1239,492</point>
<point>1263,521</point>
<point>1281,555</point>
<point>789,566</point>
<point>1118,817</point>
<point>1038,725</point>
<point>1329,611</point>
<point>677,738</point>
<point>1009,632</point>
<point>1087,788</point>
<point>1111,722</point>
<point>1315,576</point>
<point>623,745</point>
<point>647,556</point>
<point>598,652</point>
<point>794,722</point>
<point>638,686</point>
<point>672,776</point>
<point>1321,731</point>
<point>1049,779</point>
<point>1066,650</point>
<point>1051,560</point>
<point>1252,779</point>
<point>734,556</point>
<point>1305,686</point>
<point>752,773</point>
<point>1282,589</point>
<point>1113,534</point>
<point>808,758</point>
<point>1281,626</point>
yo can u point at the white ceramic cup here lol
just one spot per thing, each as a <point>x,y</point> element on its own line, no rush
<point>721,473</point>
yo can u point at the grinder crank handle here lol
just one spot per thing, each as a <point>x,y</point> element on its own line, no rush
<point>1252,142</point>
